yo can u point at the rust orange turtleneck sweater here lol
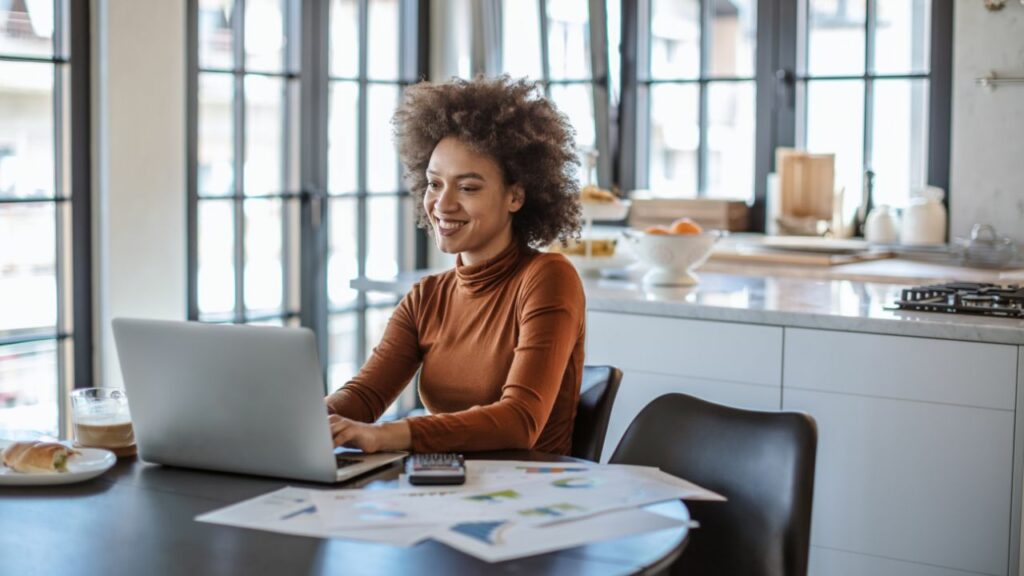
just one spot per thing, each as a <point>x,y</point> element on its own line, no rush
<point>501,346</point>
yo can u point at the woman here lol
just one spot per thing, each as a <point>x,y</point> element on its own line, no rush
<point>500,336</point>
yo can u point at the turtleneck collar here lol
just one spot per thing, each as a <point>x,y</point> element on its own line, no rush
<point>482,276</point>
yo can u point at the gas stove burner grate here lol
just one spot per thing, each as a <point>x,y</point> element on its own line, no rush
<point>965,298</point>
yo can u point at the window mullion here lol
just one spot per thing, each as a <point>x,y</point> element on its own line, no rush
<point>629,141</point>
<point>706,15</point>
<point>81,187</point>
<point>600,90</point>
<point>314,213</point>
<point>239,157</point>
<point>58,98</point>
<point>869,100</point>
<point>545,65</point>
<point>192,148</point>
<point>642,28</point>
<point>288,165</point>
<point>408,26</point>
<point>362,238</point>
<point>939,96</point>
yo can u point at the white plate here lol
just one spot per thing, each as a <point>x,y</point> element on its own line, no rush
<point>81,467</point>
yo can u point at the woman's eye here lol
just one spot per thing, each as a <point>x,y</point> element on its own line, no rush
<point>464,189</point>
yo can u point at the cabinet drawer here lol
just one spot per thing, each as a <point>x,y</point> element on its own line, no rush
<point>691,348</point>
<point>951,372</point>
<point>639,388</point>
<point>912,481</point>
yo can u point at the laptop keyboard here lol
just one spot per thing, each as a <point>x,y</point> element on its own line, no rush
<point>344,461</point>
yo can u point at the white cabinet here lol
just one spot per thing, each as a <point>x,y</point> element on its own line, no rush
<point>734,364</point>
<point>915,464</point>
<point>915,450</point>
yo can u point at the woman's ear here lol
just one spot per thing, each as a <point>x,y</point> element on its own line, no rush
<point>517,196</point>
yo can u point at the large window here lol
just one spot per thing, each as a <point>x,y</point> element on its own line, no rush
<point>863,74</point>
<point>44,214</point>
<point>246,171</point>
<point>712,87</point>
<point>369,213</point>
<point>296,188</point>
<point>564,45</point>
<point>698,98</point>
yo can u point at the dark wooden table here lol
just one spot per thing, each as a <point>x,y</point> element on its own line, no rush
<point>138,518</point>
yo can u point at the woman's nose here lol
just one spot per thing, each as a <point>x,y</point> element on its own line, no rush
<point>446,201</point>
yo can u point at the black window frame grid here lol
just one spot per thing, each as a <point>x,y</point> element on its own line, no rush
<point>290,75</point>
<point>776,79</point>
<point>307,25</point>
<point>72,142</point>
<point>489,59</point>
<point>409,73</point>
<point>798,79</point>
<point>703,80</point>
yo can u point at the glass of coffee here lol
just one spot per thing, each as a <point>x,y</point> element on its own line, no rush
<point>100,419</point>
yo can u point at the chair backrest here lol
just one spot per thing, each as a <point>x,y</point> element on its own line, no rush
<point>763,462</point>
<point>597,394</point>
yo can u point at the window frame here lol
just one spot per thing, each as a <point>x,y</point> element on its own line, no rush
<point>796,79</point>
<point>307,23</point>
<point>487,57</point>
<point>72,152</point>
<point>776,65</point>
<point>239,72</point>
<point>412,252</point>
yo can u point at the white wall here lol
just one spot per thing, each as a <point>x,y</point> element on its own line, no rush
<point>139,150</point>
<point>987,159</point>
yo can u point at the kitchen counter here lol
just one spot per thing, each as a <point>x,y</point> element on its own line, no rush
<point>776,296</point>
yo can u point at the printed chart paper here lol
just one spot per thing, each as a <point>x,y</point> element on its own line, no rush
<point>506,509</point>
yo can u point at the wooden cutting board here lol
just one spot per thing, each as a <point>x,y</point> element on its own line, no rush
<point>792,257</point>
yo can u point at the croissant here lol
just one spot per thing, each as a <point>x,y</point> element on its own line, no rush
<point>46,457</point>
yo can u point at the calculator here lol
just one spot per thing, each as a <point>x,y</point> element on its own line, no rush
<point>435,469</point>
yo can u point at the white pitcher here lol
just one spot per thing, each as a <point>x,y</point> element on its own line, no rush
<point>924,220</point>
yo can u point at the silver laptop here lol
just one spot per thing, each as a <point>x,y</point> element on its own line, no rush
<point>243,399</point>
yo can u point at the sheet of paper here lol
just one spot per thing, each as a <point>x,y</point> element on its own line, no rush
<point>693,491</point>
<point>525,495</point>
<point>500,541</point>
<point>538,506</point>
<point>357,509</point>
<point>292,511</point>
<point>484,473</point>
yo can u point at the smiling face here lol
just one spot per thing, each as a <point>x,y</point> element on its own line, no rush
<point>468,203</point>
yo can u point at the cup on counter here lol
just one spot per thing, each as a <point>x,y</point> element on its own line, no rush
<point>100,419</point>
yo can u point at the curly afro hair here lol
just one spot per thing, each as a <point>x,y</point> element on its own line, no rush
<point>510,121</point>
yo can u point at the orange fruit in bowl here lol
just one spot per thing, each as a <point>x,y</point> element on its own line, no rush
<point>685,227</point>
<point>656,230</point>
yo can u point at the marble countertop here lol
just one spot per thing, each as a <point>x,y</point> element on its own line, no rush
<point>777,300</point>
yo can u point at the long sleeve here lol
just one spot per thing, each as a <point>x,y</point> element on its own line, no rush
<point>550,320</point>
<point>387,372</point>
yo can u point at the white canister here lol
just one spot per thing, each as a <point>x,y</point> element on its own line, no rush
<point>924,220</point>
<point>882,226</point>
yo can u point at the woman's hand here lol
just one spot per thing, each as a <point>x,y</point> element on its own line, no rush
<point>370,437</point>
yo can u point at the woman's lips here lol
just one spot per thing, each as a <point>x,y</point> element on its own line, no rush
<point>446,227</point>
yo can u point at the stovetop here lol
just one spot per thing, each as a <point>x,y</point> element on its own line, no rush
<point>965,298</point>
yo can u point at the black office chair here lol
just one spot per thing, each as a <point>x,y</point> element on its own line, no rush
<point>597,394</point>
<point>763,462</point>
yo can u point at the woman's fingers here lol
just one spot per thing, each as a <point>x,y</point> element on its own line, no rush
<point>353,434</point>
<point>341,429</point>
